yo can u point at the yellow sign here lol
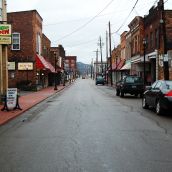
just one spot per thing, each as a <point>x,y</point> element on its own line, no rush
<point>25,66</point>
<point>11,66</point>
<point>5,34</point>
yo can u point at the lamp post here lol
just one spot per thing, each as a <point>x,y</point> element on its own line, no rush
<point>144,54</point>
<point>55,76</point>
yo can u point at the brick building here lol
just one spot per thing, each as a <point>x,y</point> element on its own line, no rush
<point>137,34</point>
<point>57,58</point>
<point>70,66</point>
<point>27,67</point>
<point>158,25</point>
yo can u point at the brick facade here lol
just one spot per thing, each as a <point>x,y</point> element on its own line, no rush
<point>28,24</point>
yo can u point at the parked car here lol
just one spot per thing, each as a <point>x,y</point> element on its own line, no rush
<point>158,96</point>
<point>100,80</point>
<point>130,84</point>
<point>83,76</point>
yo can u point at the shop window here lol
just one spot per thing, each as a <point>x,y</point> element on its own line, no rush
<point>16,41</point>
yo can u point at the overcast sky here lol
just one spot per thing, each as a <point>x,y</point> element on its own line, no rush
<point>78,24</point>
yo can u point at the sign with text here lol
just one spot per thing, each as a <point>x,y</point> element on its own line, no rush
<point>5,34</point>
<point>25,66</point>
<point>11,65</point>
<point>11,98</point>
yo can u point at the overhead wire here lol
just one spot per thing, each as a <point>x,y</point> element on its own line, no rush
<point>126,17</point>
<point>81,27</point>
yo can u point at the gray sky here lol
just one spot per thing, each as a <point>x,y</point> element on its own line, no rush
<point>76,24</point>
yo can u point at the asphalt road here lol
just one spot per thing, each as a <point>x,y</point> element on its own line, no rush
<point>86,128</point>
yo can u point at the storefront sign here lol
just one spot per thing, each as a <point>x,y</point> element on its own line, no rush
<point>11,98</point>
<point>11,66</point>
<point>25,66</point>
<point>5,34</point>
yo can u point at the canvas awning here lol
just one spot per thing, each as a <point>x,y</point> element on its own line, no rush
<point>119,65</point>
<point>42,63</point>
<point>127,66</point>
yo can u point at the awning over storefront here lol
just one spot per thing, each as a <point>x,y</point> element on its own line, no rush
<point>127,66</point>
<point>41,63</point>
<point>121,63</point>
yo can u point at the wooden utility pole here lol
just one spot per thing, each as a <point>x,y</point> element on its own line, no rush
<point>101,44</point>
<point>107,57</point>
<point>110,53</point>
<point>3,53</point>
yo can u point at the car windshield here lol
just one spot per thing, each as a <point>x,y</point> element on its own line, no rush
<point>133,79</point>
<point>168,85</point>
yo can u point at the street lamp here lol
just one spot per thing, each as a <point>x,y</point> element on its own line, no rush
<point>55,76</point>
<point>144,54</point>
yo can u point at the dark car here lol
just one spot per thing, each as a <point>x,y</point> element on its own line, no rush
<point>130,84</point>
<point>158,96</point>
<point>100,80</point>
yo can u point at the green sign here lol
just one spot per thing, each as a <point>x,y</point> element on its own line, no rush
<point>5,34</point>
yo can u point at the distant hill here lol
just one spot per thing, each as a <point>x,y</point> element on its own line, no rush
<point>84,69</point>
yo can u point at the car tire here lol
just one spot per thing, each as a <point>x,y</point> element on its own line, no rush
<point>122,93</point>
<point>144,104</point>
<point>158,108</point>
<point>117,92</point>
<point>135,95</point>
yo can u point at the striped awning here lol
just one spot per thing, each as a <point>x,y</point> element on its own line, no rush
<point>42,63</point>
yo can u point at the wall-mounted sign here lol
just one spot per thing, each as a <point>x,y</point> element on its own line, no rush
<point>11,65</point>
<point>25,66</point>
<point>5,34</point>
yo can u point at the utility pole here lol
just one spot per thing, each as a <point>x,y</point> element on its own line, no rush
<point>101,44</point>
<point>107,57</point>
<point>96,70</point>
<point>164,41</point>
<point>3,51</point>
<point>110,53</point>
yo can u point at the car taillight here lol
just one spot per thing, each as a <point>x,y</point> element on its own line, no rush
<point>169,94</point>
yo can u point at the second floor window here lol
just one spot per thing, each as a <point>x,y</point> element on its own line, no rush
<point>38,44</point>
<point>156,38</point>
<point>16,41</point>
<point>151,40</point>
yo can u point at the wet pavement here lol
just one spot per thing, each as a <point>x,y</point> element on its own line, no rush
<point>26,101</point>
<point>87,128</point>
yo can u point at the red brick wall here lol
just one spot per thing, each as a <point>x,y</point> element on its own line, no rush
<point>28,24</point>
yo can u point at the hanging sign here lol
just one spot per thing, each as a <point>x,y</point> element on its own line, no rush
<point>5,34</point>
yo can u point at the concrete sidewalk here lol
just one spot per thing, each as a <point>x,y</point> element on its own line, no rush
<point>26,102</point>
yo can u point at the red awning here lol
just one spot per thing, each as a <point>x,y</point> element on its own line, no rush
<point>41,63</point>
<point>121,63</point>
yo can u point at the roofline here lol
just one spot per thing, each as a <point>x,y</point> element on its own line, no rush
<point>26,11</point>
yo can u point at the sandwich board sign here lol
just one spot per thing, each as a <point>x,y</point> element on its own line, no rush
<point>11,98</point>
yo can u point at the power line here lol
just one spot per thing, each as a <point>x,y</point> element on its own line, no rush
<point>79,28</point>
<point>126,18</point>
<point>84,18</point>
<point>83,43</point>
